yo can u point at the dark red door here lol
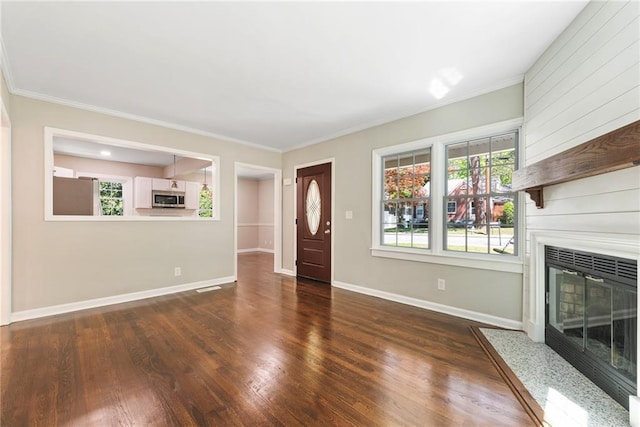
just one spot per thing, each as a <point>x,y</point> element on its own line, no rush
<point>313,213</point>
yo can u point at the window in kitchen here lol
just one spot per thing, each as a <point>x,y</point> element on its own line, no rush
<point>205,209</point>
<point>111,198</point>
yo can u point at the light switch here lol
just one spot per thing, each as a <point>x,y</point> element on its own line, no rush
<point>286,181</point>
<point>348,214</point>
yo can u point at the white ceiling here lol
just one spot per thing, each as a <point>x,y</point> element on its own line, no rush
<point>276,74</point>
<point>96,150</point>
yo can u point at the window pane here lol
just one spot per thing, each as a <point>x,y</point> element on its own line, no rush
<point>390,190</point>
<point>455,185</point>
<point>111,202</point>
<point>405,207</point>
<point>479,204</point>
<point>625,319</point>
<point>206,204</point>
<point>502,167</point>
<point>599,321</point>
<point>390,186</point>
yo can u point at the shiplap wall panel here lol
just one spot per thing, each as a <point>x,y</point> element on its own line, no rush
<point>558,47</point>
<point>586,84</point>
<point>625,224</point>
<point>618,76</point>
<point>581,129</point>
<point>611,202</point>
<point>608,37</point>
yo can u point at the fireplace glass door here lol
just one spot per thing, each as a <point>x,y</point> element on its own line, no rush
<point>592,322</point>
<point>566,304</point>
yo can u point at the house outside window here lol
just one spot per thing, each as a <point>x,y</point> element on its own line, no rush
<point>451,207</point>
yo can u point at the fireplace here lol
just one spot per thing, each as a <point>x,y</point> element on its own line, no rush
<point>591,316</point>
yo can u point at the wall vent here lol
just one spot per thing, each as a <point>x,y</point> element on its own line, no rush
<point>613,268</point>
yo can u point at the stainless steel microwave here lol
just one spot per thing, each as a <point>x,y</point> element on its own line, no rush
<point>167,199</point>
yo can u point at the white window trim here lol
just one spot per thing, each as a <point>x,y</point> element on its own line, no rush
<point>435,254</point>
<point>50,133</point>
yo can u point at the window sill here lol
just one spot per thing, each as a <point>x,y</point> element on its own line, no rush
<point>129,218</point>
<point>479,261</point>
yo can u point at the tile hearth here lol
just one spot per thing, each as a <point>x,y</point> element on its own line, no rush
<point>567,397</point>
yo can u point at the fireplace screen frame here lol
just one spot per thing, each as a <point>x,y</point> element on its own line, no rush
<point>595,275</point>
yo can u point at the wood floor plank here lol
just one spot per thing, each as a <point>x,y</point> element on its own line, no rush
<point>268,350</point>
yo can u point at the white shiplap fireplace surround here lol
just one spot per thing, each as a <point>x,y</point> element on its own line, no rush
<point>534,295</point>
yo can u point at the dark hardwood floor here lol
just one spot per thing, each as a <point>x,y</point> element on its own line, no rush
<point>269,350</point>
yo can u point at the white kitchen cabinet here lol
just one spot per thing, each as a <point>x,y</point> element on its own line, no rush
<point>165,185</point>
<point>192,195</point>
<point>142,192</point>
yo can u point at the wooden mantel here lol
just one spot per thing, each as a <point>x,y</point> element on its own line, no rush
<point>618,149</point>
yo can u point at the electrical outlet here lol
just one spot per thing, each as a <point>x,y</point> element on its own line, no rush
<point>441,284</point>
<point>177,271</point>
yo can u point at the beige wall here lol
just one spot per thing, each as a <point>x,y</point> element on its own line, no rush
<point>493,293</point>
<point>247,214</point>
<point>63,262</point>
<point>255,214</point>
<point>265,214</point>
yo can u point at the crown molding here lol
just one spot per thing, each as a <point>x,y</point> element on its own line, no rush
<point>4,66</point>
<point>133,117</point>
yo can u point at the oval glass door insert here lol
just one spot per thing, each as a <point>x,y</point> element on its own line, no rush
<point>313,207</point>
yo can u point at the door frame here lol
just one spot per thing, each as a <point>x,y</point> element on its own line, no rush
<point>331,160</point>
<point>5,217</point>
<point>277,215</point>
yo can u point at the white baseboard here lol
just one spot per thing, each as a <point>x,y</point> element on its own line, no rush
<point>634,411</point>
<point>116,299</point>
<point>440,308</point>
<point>533,331</point>
<point>288,272</point>
<point>243,251</point>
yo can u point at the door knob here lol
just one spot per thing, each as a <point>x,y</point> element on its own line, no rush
<point>327,231</point>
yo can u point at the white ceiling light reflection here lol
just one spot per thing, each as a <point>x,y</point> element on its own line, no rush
<point>438,88</point>
<point>451,75</point>
<point>105,153</point>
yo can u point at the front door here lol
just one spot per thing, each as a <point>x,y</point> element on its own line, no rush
<point>313,230</point>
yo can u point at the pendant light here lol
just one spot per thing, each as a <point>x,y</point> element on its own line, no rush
<point>205,187</point>
<point>174,183</point>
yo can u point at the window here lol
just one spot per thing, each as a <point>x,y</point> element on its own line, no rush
<point>479,180</point>
<point>205,209</point>
<point>448,199</point>
<point>405,199</point>
<point>111,198</point>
